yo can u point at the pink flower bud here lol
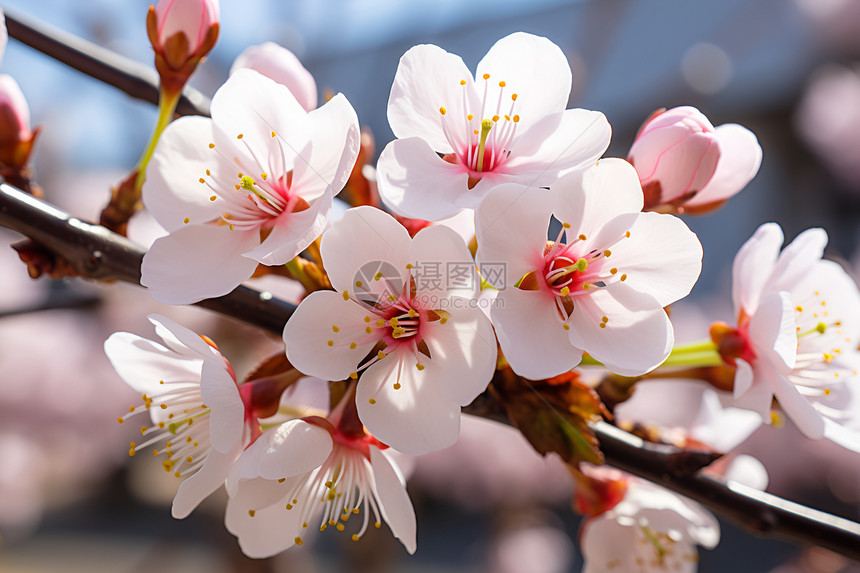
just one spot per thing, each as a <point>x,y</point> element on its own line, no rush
<point>181,32</point>
<point>14,113</point>
<point>675,153</point>
<point>281,65</point>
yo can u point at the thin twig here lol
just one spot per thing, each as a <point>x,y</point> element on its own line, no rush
<point>132,77</point>
<point>98,253</point>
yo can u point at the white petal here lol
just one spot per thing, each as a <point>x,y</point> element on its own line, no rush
<point>293,232</point>
<point>310,328</point>
<point>202,483</point>
<point>180,339</point>
<point>607,545</point>
<point>739,161</point>
<point>143,364</point>
<point>772,331</point>
<point>364,235</point>
<point>281,65</point>
<point>393,500</point>
<point>795,260</point>
<point>335,142</point>
<point>462,354</point>
<point>226,419</point>
<point>445,250</point>
<point>416,418</point>
<point>254,106</point>
<point>511,229</point>
<point>533,68</point>
<point>197,262</point>
<point>532,337</point>
<point>589,200</point>
<point>578,141</point>
<point>743,379</point>
<point>804,415</point>
<point>753,265</point>
<point>846,437</point>
<point>759,393</point>
<point>290,449</point>
<point>637,338</point>
<point>648,403</point>
<point>748,471</point>
<point>271,530</point>
<point>172,190</point>
<point>415,182</point>
<point>428,78</point>
<point>662,257</point>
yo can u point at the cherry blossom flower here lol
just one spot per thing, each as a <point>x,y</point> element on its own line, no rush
<point>599,287</point>
<point>422,346</point>
<point>190,398</point>
<point>685,163</point>
<point>797,332</point>
<point>309,469</point>
<point>281,65</point>
<point>252,185</point>
<point>507,124</point>
<point>652,529</point>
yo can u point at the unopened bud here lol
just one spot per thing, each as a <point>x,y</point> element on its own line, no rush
<point>181,32</point>
<point>16,137</point>
<point>675,154</point>
<point>282,66</point>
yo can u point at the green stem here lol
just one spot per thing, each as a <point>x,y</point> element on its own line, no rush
<point>694,354</point>
<point>166,109</point>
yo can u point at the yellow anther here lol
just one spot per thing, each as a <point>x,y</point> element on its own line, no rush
<point>240,136</point>
<point>345,295</point>
<point>507,117</point>
<point>516,118</point>
<point>377,276</point>
<point>264,176</point>
<point>355,537</point>
<point>470,117</point>
<point>282,480</point>
<point>393,321</point>
<point>367,319</point>
<point>358,284</point>
<point>514,97</point>
<point>299,541</point>
<point>237,187</point>
<point>368,330</point>
<point>380,323</point>
<point>443,111</point>
<point>120,420</point>
<point>581,265</point>
<point>355,510</point>
<point>130,409</point>
<point>582,237</point>
<point>164,406</point>
<point>602,325</point>
<point>821,327</point>
<point>177,474</point>
<point>462,82</point>
<point>419,367</point>
<point>131,452</point>
<point>624,277</point>
<point>352,345</point>
<point>627,234</point>
<point>502,84</point>
<point>213,197</point>
<point>208,172</point>
<point>495,118</point>
<point>211,146</point>
<point>381,355</point>
<point>186,220</point>
<point>335,328</point>
<point>247,183</point>
<point>607,252</point>
<point>251,512</point>
<point>202,180</point>
<point>828,358</point>
<point>798,308</point>
<point>274,134</point>
<point>566,225</point>
<point>604,319</point>
<point>371,401</point>
<point>340,527</point>
<point>377,525</point>
<point>565,291</point>
<point>330,342</point>
<point>566,326</point>
<point>486,76</point>
<point>289,506</point>
<point>613,270</point>
<point>409,266</point>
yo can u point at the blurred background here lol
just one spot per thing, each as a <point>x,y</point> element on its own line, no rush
<point>70,498</point>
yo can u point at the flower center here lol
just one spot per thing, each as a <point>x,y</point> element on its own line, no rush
<point>482,143</point>
<point>254,201</point>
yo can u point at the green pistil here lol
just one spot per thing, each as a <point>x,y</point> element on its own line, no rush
<point>486,126</point>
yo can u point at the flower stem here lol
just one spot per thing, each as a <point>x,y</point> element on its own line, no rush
<point>166,109</point>
<point>297,270</point>
<point>691,355</point>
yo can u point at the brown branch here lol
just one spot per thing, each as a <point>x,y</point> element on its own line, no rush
<point>97,253</point>
<point>135,79</point>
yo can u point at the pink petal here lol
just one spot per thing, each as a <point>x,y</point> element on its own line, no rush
<point>848,438</point>
<point>793,264</point>
<point>226,419</point>
<point>282,66</point>
<point>180,339</point>
<point>290,449</point>
<point>662,257</point>
<point>142,363</point>
<point>416,418</point>
<point>364,235</point>
<point>394,502</point>
<point>772,331</point>
<point>446,250</point>
<point>533,339</point>
<point>533,68</point>
<point>753,265</point>
<point>428,78</point>
<point>271,530</point>
<point>172,190</point>
<point>804,415</point>
<point>293,232</point>
<point>637,338</point>
<point>757,393</point>
<point>198,486</point>
<point>739,162</point>
<point>415,182</point>
<point>511,229</point>
<point>311,327</point>
<point>589,200</point>
<point>462,354</point>
<point>197,262</point>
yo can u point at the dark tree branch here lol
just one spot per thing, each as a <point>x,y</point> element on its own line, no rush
<point>97,253</point>
<point>135,79</point>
